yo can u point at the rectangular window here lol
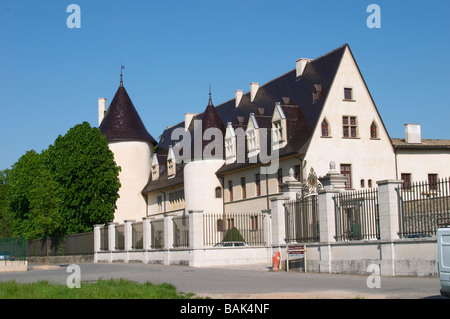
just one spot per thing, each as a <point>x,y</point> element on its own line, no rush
<point>432,181</point>
<point>346,170</point>
<point>406,178</point>
<point>348,94</point>
<point>230,190</point>
<point>280,179</point>
<point>243,189</point>
<point>349,126</point>
<point>176,200</point>
<point>258,184</point>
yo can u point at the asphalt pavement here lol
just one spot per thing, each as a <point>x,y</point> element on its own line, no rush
<point>252,281</point>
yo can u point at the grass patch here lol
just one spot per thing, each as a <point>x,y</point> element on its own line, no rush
<point>101,289</point>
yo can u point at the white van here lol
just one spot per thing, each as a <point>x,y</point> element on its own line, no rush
<point>443,244</point>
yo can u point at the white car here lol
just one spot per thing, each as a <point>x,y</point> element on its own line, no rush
<point>443,244</point>
<point>231,244</point>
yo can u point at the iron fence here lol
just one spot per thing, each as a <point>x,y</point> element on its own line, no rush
<point>104,246</point>
<point>120,237</point>
<point>302,220</point>
<point>75,244</point>
<point>245,228</point>
<point>181,231</point>
<point>357,215</point>
<point>423,208</point>
<point>78,244</point>
<point>13,249</point>
<point>157,227</point>
<point>137,236</point>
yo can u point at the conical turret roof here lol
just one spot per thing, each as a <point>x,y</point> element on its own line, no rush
<point>122,122</point>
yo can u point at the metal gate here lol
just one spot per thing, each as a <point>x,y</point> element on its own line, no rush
<point>302,214</point>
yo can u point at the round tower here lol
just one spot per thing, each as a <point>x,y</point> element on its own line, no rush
<point>200,180</point>
<point>132,146</point>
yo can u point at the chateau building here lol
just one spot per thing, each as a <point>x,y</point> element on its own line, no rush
<point>235,156</point>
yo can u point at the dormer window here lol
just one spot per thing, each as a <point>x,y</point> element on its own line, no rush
<point>278,131</point>
<point>170,167</point>
<point>252,136</point>
<point>230,144</point>
<point>278,127</point>
<point>155,168</point>
<point>317,89</point>
<point>251,140</point>
<point>171,163</point>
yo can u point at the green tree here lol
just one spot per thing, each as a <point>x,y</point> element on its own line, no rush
<point>5,213</point>
<point>83,165</point>
<point>34,198</point>
<point>45,200</point>
<point>24,171</point>
<point>233,234</point>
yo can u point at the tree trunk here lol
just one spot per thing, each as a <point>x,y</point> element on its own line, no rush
<point>49,242</point>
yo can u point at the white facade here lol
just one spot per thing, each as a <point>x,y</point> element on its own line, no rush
<point>370,158</point>
<point>133,157</point>
<point>363,151</point>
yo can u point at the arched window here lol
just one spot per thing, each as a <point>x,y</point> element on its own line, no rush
<point>218,192</point>
<point>325,131</point>
<point>373,130</point>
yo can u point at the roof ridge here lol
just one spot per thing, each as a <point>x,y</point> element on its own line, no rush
<point>332,51</point>
<point>274,79</point>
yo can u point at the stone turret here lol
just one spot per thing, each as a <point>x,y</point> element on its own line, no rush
<point>132,146</point>
<point>200,180</point>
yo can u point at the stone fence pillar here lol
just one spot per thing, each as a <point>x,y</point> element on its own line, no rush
<point>389,226</point>
<point>112,236</point>
<point>195,236</point>
<point>128,234</point>
<point>146,233</point>
<point>97,237</point>
<point>333,183</point>
<point>196,229</point>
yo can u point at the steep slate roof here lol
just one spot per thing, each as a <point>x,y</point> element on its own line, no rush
<point>122,122</point>
<point>302,113</point>
<point>210,119</point>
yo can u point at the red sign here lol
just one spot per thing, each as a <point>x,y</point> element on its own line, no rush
<point>296,249</point>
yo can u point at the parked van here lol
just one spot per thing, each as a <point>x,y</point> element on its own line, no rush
<point>443,244</point>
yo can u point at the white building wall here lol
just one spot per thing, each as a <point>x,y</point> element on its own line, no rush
<point>268,185</point>
<point>152,201</point>
<point>134,159</point>
<point>421,162</point>
<point>369,158</point>
<point>200,182</point>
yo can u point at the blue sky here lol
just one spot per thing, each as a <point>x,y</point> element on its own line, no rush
<point>51,76</point>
